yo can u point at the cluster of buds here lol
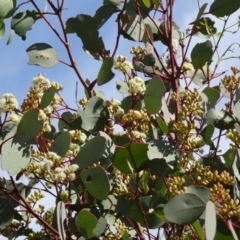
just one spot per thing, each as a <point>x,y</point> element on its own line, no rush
<point>51,167</point>
<point>115,108</point>
<point>120,189</point>
<point>83,102</point>
<point>176,185</point>
<point>8,103</point>
<point>136,85</point>
<point>122,64</point>
<point>35,197</point>
<point>187,67</point>
<point>138,52</point>
<point>139,123</point>
<point>231,83</point>
<point>228,207</point>
<point>34,96</point>
<point>233,135</point>
<point>118,232</point>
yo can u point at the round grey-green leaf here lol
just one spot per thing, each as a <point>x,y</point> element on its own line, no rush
<point>7,8</point>
<point>42,54</point>
<point>184,209</point>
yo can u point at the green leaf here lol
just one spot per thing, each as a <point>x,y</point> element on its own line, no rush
<point>159,167</point>
<point>202,53</point>
<point>153,95</point>
<point>61,216</point>
<point>220,119</point>
<point>86,28</point>
<point>129,103</point>
<point>7,8</point>
<point>61,144</point>
<point>163,126</point>
<point>199,230</point>
<point>207,133</point>
<point>236,165</point>
<point>28,127</point>
<point>65,121</point>
<point>201,11</point>
<point>212,95</point>
<point>199,191</point>
<point>221,8</point>
<point>86,156</point>
<point>133,28</point>
<point>210,221</point>
<point>95,115</point>
<point>2,28</point>
<point>100,228</point>
<point>113,2</point>
<point>236,111</point>
<point>42,54</point>
<point>122,87</point>
<point>96,182</point>
<point>105,74</point>
<point>147,3</point>
<point>104,13</point>
<point>228,157</point>
<point>14,156</point>
<point>6,212</point>
<point>23,21</point>
<point>184,209</point>
<point>86,222</point>
<point>47,97</point>
<point>204,28</point>
<point>10,37</point>
<point>133,157</point>
<point>202,75</point>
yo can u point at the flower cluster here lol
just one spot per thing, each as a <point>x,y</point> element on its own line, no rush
<point>234,136</point>
<point>176,185</point>
<point>77,135</point>
<point>115,108</point>
<point>187,67</point>
<point>227,207</point>
<point>34,97</point>
<point>139,51</point>
<point>138,121</point>
<point>51,167</point>
<point>231,83</point>
<point>8,103</point>
<point>189,114</point>
<point>118,232</point>
<point>122,64</point>
<point>136,85</point>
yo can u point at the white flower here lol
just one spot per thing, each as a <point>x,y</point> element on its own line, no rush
<point>114,102</point>
<point>187,67</point>
<point>122,65</point>
<point>119,112</point>
<point>136,85</point>
<point>42,115</point>
<point>72,176</point>
<point>73,167</point>
<point>82,137</point>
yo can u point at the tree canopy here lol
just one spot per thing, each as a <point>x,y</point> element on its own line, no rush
<point>159,162</point>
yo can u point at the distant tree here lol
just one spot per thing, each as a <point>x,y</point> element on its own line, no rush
<point>148,166</point>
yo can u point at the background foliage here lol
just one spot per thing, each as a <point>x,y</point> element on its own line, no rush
<point>147,166</point>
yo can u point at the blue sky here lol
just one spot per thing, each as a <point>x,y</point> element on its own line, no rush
<point>16,74</point>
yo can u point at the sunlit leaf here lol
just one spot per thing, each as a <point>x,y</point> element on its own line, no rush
<point>2,28</point>
<point>202,53</point>
<point>86,222</point>
<point>42,54</point>
<point>23,21</point>
<point>153,95</point>
<point>210,221</point>
<point>7,8</point>
<point>48,97</point>
<point>221,8</point>
<point>184,209</point>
